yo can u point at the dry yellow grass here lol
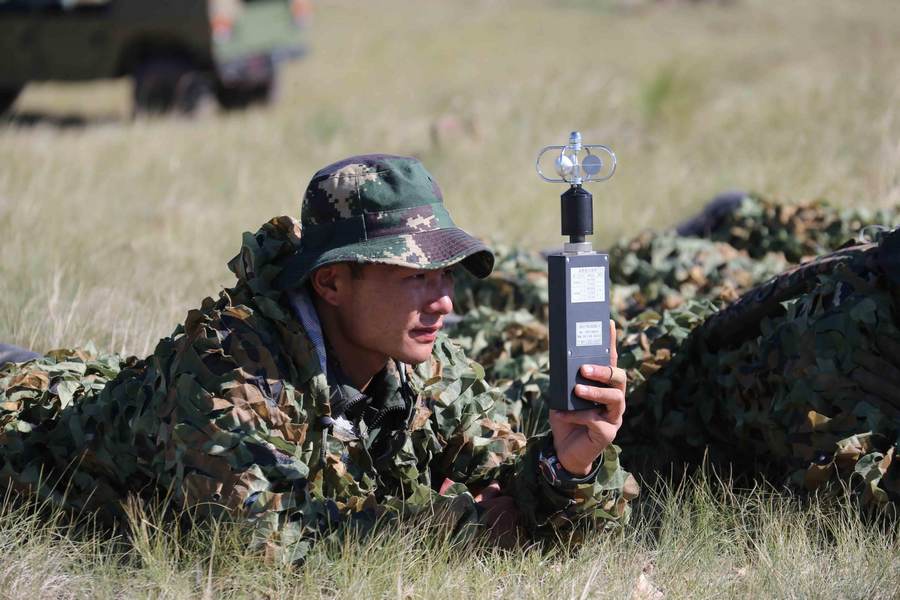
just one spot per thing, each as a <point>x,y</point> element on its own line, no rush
<point>112,229</point>
<point>699,540</point>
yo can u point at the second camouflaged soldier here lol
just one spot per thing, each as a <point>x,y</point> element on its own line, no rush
<point>291,401</point>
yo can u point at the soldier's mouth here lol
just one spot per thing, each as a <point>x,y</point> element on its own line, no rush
<point>425,334</point>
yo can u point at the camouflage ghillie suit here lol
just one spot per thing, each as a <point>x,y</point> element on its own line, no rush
<point>798,379</point>
<point>235,409</point>
<point>790,371</point>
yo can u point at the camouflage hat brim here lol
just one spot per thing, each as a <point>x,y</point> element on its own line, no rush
<point>379,208</point>
<point>434,249</point>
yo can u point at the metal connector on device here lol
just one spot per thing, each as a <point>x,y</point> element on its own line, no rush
<point>578,248</point>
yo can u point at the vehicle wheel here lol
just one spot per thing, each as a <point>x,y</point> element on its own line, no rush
<point>269,92</point>
<point>8,96</point>
<point>265,93</point>
<point>164,85</point>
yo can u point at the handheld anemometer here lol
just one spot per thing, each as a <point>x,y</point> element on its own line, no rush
<point>578,276</point>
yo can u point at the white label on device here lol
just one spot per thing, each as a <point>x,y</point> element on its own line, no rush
<point>588,284</point>
<point>589,333</point>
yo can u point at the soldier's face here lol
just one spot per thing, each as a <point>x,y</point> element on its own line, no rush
<point>396,311</point>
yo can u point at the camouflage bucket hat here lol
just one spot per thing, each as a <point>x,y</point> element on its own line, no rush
<point>378,208</point>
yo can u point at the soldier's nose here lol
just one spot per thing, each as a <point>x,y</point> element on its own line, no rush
<point>441,305</point>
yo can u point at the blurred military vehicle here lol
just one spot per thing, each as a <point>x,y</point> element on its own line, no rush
<point>180,53</point>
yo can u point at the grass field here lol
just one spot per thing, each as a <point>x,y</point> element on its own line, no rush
<point>700,540</point>
<point>113,228</point>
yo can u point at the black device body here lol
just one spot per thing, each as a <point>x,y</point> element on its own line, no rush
<point>579,322</point>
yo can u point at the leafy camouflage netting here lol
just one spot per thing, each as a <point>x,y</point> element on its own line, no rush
<point>730,347</point>
<point>798,376</point>
<point>799,379</point>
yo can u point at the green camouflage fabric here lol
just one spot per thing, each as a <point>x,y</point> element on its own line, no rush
<point>800,231</point>
<point>227,414</point>
<point>517,282</point>
<point>799,380</point>
<point>34,396</point>
<point>513,348</point>
<point>658,271</point>
<point>730,346</point>
<point>379,208</point>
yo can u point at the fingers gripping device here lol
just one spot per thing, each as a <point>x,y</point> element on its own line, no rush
<point>578,276</point>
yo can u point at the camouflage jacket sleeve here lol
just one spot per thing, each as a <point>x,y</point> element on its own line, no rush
<point>478,447</point>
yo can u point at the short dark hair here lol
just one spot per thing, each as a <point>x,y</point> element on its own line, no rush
<point>356,272</point>
<point>356,268</point>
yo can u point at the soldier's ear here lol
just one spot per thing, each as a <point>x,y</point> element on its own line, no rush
<point>329,281</point>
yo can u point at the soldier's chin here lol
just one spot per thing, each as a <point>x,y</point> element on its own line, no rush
<point>416,354</point>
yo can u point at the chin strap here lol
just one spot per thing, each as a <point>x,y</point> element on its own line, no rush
<point>409,396</point>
